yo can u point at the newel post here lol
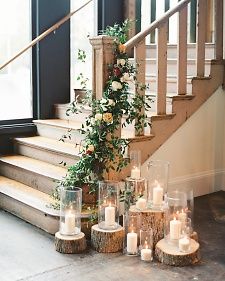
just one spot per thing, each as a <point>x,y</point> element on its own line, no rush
<point>102,56</point>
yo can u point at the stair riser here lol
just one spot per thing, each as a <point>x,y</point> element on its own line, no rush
<point>151,67</point>
<point>37,181</point>
<point>171,86</point>
<point>172,52</point>
<point>53,132</point>
<point>44,155</point>
<point>60,112</point>
<point>44,221</point>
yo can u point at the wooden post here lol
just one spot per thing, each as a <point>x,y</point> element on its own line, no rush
<point>130,13</point>
<point>201,31</point>
<point>219,29</point>
<point>102,57</point>
<point>182,52</point>
<point>162,68</point>
<point>140,60</point>
<point>70,244</point>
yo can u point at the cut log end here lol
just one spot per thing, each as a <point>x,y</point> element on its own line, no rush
<point>70,244</point>
<point>170,254</point>
<point>107,241</point>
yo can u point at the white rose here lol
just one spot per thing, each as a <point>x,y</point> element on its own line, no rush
<point>121,62</point>
<point>91,147</point>
<point>111,102</point>
<point>98,116</point>
<point>116,86</point>
<point>103,101</point>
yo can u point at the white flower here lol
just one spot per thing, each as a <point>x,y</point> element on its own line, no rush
<point>125,77</point>
<point>116,86</point>
<point>98,116</point>
<point>103,101</point>
<point>111,102</point>
<point>121,62</point>
<point>91,147</point>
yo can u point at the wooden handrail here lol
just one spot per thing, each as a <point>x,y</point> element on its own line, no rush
<point>141,35</point>
<point>44,34</point>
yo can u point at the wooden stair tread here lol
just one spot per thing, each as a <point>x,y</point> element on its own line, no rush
<point>50,144</point>
<point>61,123</point>
<point>35,166</point>
<point>27,195</point>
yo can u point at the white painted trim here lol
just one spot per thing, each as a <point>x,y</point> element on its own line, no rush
<point>202,183</point>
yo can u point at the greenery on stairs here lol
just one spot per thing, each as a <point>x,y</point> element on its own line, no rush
<point>103,150</point>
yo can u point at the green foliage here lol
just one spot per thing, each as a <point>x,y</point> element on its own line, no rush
<point>102,150</point>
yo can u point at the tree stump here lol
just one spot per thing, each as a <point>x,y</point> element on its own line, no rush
<point>169,254</point>
<point>107,241</point>
<point>154,219</point>
<point>70,244</point>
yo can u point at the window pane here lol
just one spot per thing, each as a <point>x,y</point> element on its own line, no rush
<point>15,79</point>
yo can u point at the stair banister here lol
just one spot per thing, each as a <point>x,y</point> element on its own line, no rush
<point>44,34</point>
<point>218,6</point>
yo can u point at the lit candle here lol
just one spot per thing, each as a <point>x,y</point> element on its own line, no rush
<point>110,215</point>
<point>141,204</point>
<point>136,173</point>
<point>157,195</point>
<point>146,254</point>
<point>184,244</point>
<point>182,217</point>
<point>175,229</point>
<point>132,242</point>
<point>69,222</point>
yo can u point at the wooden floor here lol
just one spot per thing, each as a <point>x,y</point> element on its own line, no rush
<point>28,253</point>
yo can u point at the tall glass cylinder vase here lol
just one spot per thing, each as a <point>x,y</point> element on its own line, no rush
<point>176,217</point>
<point>70,210</point>
<point>157,183</point>
<point>108,205</point>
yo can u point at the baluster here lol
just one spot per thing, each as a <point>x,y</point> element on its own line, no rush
<point>201,32</point>
<point>162,68</point>
<point>182,52</point>
<point>140,60</point>
<point>218,29</point>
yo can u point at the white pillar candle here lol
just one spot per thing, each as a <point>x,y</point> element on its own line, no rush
<point>109,215</point>
<point>184,244</point>
<point>182,217</point>
<point>135,173</point>
<point>132,242</point>
<point>141,204</point>
<point>146,254</point>
<point>175,229</point>
<point>157,195</point>
<point>69,222</point>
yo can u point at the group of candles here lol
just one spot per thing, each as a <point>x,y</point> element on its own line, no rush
<point>177,225</point>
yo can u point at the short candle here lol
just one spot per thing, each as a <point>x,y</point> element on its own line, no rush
<point>136,173</point>
<point>146,254</point>
<point>175,229</point>
<point>184,244</point>
<point>141,204</point>
<point>132,242</point>
<point>110,215</point>
<point>157,195</point>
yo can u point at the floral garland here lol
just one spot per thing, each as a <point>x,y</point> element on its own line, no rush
<point>102,150</point>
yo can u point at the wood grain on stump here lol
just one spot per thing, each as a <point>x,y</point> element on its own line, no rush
<point>70,244</point>
<point>107,241</point>
<point>169,254</point>
<point>154,219</point>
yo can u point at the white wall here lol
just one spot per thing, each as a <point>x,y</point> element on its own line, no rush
<point>196,151</point>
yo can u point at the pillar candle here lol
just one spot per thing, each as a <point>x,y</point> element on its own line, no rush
<point>157,195</point>
<point>109,215</point>
<point>132,242</point>
<point>175,229</point>
<point>69,222</point>
<point>135,173</point>
<point>141,204</point>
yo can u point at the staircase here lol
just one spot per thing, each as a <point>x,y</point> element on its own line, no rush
<point>29,176</point>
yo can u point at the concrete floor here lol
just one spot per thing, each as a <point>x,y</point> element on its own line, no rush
<point>27,253</point>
